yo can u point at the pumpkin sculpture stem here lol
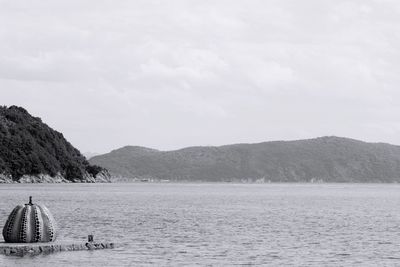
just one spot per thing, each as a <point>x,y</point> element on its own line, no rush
<point>30,200</point>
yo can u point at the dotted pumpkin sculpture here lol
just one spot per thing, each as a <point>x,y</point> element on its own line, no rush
<point>29,223</point>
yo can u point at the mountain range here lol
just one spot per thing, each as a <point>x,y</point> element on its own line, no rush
<point>323,159</point>
<point>31,151</point>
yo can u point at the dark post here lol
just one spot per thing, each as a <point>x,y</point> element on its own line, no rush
<point>90,238</point>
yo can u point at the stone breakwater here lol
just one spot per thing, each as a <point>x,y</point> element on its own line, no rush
<point>48,248</point>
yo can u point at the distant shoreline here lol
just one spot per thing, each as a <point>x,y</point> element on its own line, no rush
<point>193,182</point>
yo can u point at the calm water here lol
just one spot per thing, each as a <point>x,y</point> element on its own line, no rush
<point>219,224</point>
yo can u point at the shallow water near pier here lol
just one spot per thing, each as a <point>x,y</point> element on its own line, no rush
<point>218,224</point>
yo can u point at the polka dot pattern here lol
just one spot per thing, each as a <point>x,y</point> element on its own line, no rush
<point>38,224</point>
<point>23,226</point>
<point>30,223</point>
<point>7,232</point>
<point>51,224</point>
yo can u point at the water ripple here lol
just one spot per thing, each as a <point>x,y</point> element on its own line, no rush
<point>220,224</point>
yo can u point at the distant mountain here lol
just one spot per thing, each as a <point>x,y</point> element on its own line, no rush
<point>89,155</point>
<point>30,151</point>
<point>324,159</point>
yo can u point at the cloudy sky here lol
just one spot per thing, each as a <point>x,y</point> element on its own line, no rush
<point>170,74</point>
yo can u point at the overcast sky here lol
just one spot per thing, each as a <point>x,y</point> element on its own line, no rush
<point>170,74</point>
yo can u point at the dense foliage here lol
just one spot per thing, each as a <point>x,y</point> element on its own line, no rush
<point>28,146</point>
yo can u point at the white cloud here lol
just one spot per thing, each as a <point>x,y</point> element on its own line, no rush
<point>174,73</point>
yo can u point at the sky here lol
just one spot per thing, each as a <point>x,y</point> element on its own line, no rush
<point>171,74</point>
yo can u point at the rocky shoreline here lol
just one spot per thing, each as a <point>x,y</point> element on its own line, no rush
<point>101,177</point>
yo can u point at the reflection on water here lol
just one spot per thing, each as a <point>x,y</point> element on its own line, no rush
<point>219,224</point>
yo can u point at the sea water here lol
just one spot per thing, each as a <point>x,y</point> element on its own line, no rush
<point>169,224</point>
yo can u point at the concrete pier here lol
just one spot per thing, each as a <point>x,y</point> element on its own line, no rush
<point>22,249</point>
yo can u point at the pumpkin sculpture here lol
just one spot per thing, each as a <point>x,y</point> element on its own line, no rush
<point>29,223</point>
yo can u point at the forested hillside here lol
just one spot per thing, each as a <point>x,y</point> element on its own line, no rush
<point>327,159</point>
<point>30,147</point>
